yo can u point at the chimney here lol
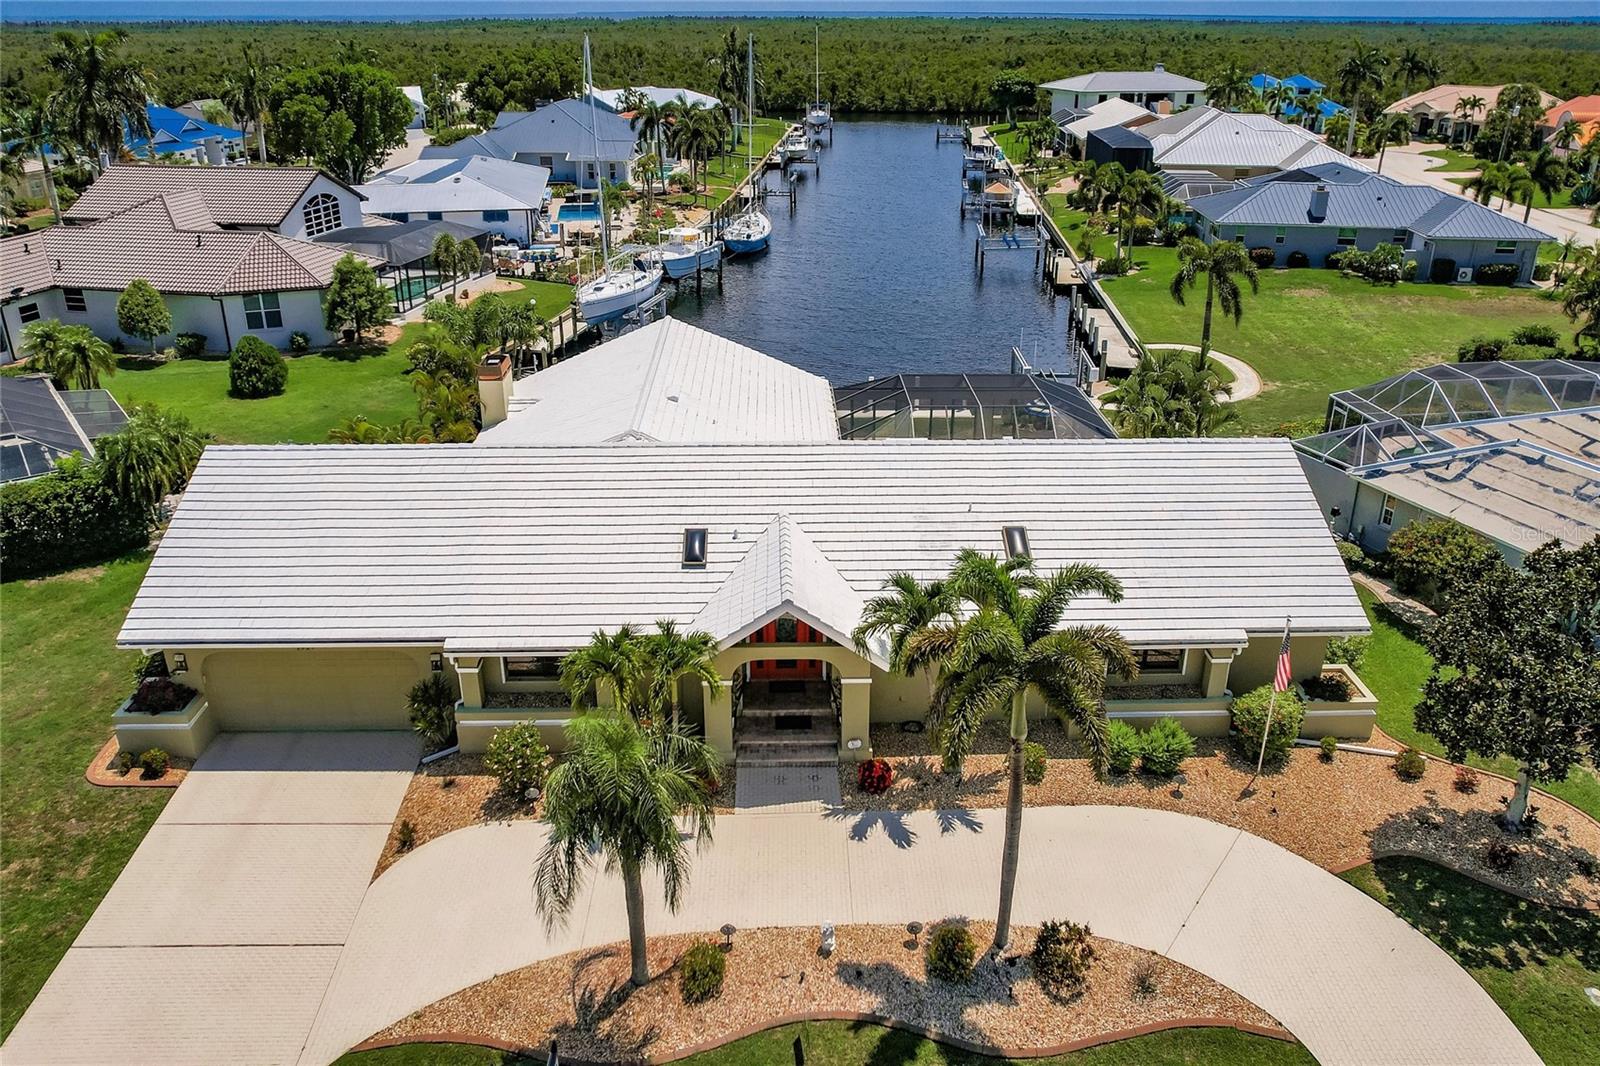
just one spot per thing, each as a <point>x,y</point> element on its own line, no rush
<point>1319,204</point>
<point>494,388</point>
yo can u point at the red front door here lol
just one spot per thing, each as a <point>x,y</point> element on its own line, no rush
<point>786,669</point>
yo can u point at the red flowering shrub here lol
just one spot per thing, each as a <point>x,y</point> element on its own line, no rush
<point>875,776</point>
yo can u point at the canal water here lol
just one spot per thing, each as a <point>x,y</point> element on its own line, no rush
<point>874,275</point>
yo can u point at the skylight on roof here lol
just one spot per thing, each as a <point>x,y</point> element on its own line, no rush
<point>694,547</point>
<point>1016,539</point>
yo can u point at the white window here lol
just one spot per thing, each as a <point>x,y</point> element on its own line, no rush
<point>1279,235</point>
<point>28,313</point>
<point>322,214</point>
<point>73,300</point>
<point>261,311</point>
<point>1505,248</point>
<point>1347,237</point>
<point>1386,516</point>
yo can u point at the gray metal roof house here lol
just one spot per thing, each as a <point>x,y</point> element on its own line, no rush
<point>561,137</point>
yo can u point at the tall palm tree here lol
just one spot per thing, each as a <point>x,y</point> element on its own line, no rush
<point>1389,129</point>
<point>669,656</point>
<point>610,660</point>
<point>1221,263</point>
<point>1361,70</point>
<point>1566,133</point>
<point>1139,189</point>
<point>72,355</point>
<point>1547,172</point>
<point>43,342</point>
<point>32,131</point>
<point>1278,97</point>
<point>696,136</point>
<point>1466,108</point>
<point>650,122</point>
<point>151,457</point>
<point>523,326</point>
<point>1413,63</point>
<point>905,614</point>
<point>1581,303</point>
<point>621,792</point>
<point>103,94</point>
<point>1491,179</point>
<point>1230,89</point>
<point>1520,188</point>
<point>1010,644</point>
<point>247,92</point>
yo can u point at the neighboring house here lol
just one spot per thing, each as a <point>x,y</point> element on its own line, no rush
<point>403,252</point>
<point>497,195</point>
<point>1114,112</point>
<point>1303,85</point>
<point>30,183</point>
<point>177,134</point>
<point>291,201</point>
<point>1121,145</point>
<point>40,424</point>
<point>1155,90</point>
<point>1508,449</point>
<point>488,563</point>
<point>1319,210</point>
<point>561,137</point>
<point>419,110</point>
<point>1433,111</point>
<point>1585,109</point>
<point>1230,146</point>
<point>612,99</point>
<point>217,282</point>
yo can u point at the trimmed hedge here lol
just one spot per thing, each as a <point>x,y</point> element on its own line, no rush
<point>1497,274</point>
<point>256,369</point>
<point>1163,747</point>
<point>1249,719</point>
<point>65,519</point>
<point>701,972</point>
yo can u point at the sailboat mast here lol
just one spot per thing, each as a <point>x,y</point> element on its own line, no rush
<point>594,135</point>
<point>816,53</point>
<point>750,104</point>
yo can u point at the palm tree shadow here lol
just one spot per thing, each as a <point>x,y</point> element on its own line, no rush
<point>898,994</point>
<point>593,1005</point>
<point>893,823</point>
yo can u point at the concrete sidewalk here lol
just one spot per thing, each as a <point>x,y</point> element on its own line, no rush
<point>1349,979</point>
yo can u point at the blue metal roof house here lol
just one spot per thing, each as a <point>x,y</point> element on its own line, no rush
<point>1303,85</point>
<point>175,133</point>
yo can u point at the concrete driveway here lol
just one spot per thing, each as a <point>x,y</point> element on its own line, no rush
<point>1408,163</point>
<point>217,942</point>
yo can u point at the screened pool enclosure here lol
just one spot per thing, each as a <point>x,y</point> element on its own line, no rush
<point>967,407</point>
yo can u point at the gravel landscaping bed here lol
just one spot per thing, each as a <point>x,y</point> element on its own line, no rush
<point>1336,814</point>
<point>452,793</point>
<point>582,999</point>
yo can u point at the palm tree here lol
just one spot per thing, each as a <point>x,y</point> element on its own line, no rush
<point>43,342</point>
<point>31,130</point>
<point>621,792</point>
<point>522,325</point>
<point>1220,263</point>
<point>1520,188</point>
<point>1491,179</point>
<point>444,259</point>
<point>904,613</point>
<point>1360,71</point>
<point>1138,189</point>
<point>1412,63</point>
<point>610,660</point>
<point>449,407</point>
<point>1547,172</point>
<point>103,94</point>
<point>358,430</point>
<point>696,136</point>
<point>1278,97</point>
<point>668,656</point>
<point>1581,301</point>
<point>246,93</point>
<point>1230,89</point>
<point>1310,107</point>
<point>1386,129</point>
<point>151,457</point>
<point>1566,133</point>
<point>650,122</point>
<point>72,355</point>
<point>1171,396</point>
<point>1010,645</point>
<point>1466,108</point>
<point>1569,246</point>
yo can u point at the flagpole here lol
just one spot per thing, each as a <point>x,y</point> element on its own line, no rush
<point>1272,703</point>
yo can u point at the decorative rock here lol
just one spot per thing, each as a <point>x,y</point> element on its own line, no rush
<point>1594,995</point>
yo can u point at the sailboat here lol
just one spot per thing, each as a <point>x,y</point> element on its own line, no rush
<point>615,292</point>
<point>751,231</point>
<point>820,117</point>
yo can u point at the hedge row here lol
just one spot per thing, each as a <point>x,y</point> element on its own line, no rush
<point>65,519</point>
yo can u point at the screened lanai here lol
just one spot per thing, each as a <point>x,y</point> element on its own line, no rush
<point>1451,393</point>
<point>967,407</point>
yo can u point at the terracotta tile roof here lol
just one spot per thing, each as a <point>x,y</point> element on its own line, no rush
<point>1583,108</point>
<point>236,196</point>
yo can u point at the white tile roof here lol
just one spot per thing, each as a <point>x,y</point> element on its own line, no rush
<point>470,183</point>
<point>668,381</point>
<point>1113,112</point>
<point>1222,138</point>
<point>535,548</point>
<point>1127,81</point>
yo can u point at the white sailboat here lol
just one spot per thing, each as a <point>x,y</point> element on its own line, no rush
<point>750,231</point>
<point>615,292</point>
<point>684,251</point>
<point>820,117</point>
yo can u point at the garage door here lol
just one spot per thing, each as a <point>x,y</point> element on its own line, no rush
<point>311,689</point>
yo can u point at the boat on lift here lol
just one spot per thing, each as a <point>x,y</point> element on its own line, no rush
<point>752,230</point>
<point>820,116</point>
<point>794,145</point>
<point>684,251</point>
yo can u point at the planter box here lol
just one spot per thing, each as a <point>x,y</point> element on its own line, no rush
<point>1350,719</point>
<point>475,725</point>
<point>1202,717</point>
<point>183,733</point>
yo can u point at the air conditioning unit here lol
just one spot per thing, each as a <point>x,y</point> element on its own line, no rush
<point>1463,275</point>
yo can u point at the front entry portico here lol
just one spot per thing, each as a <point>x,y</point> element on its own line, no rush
<point>844,682</point>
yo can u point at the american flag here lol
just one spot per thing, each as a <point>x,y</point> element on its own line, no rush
<point>1285,675</point>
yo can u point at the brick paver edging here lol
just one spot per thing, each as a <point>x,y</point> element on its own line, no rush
<point>853,1016</point>
<point>100,774</point>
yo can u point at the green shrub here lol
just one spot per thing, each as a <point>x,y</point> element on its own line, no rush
<point>1298,260</point>
<point>1163,747</point>
<point>1429,556</point>
<point>1249,720</point>
<point>1542,271</point>
<point>1351,651</point>
<point>701,971</point>
<point>299,342</point>
<point>1263,257</point>
<point>1329,746</point>
<point>1354,558</point>
<point>951,952</point>
<point>1480,350</point>
<point>451,134</point>
<point>124,762</point>
<point>153,763</point>
<point>1513,352</point>
<point>1408,271</point>
<point>1410,765</point>
<point>189,345</point>
<point>1300,427</point>
<point>517,757</point>
<point>256,369</point>
<point>67,518</point>
<point>405,837</point>
<point>1540,335</point>
<point>1062,953</point>
<point>432,706</point>
<point>1122,746</point>
<point>1497,274</point>
<point>1114,266</point>
<point>1035,760</point>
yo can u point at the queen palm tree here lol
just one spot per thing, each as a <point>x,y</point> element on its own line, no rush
<point>102,95</point>
<point>1138,189</point>
<point>32,131</point>
<point>247,92</point>
<point>669,656</point>
<point>1010,644</point>
<point>72,355</point>
<point>1278,97</point>
<point>1230,89</point>
<point>650,122</point>
<point>696,136</point>
<point>1311,108</point>
<point>1466,108</point>
<point>620,792</point>
<point>1389,129</point>
<point>1176,395</point>
<point>43,342</point>
<point>904,614</point>
<point>1361,70</point>
<point>523,326</point>
<point>1520,188</point>
<point>1221,263</point>
<point>448,406</point>
<point>151,457</point>
<point>609,661</point>
<point>1581,303</point>
<point>1566,133</point>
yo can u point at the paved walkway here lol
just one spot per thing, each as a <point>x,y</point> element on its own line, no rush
<point>778,789</point>
<point>1349,979</point>
<point>217,941</point>
<point>1246,382</point>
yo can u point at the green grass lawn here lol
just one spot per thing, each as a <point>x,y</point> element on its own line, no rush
<point>848,1044</point>
<point>1454,160</point>
<point>724,173</point>
<point>323,389</point>
<point>1310,332</point>
<point>1533,961</point>
<point>65,839</point>
<point>1395,668</point>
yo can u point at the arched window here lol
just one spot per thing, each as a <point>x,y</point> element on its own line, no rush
<point>321,214</point>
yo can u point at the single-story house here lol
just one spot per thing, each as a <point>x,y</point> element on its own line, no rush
<point>1113,112</point>
<point>1506,448</point>
<point>403,252</point>
<point>298,202</point>
<point>1231,146</point>
<point>311,586</point>
<point>502,196</point>
<point>1317,211</point>
<point>40,424</point>
<point>1434,112</point>
<point>217,282</point>
<point>1155,90</point>
<point>419,110</point>
<point>175,133</point>
<point>612,100</point>
<point>560,137</point>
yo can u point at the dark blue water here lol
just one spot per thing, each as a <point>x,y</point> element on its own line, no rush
<point>873,274</point>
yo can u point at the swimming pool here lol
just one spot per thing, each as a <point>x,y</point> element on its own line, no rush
<point>578,213</point>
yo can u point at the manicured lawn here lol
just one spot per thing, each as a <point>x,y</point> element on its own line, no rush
<point>723,174</point>
<point>1534,961</point>
<point>65,839</point>
<point>846,1044</point>
<point>1310,331</point>
<point>1454,160</point>
<point>1395,668</point>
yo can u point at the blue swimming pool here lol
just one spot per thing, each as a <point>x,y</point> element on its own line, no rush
<point>578,213</point>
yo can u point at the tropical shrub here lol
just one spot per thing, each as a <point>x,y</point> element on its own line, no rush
<point>1351,651</point>
<point>1466,780</point>
<point>1250,721</point>
<point>1480,350</point>
<point>1122,746</point>
<point>1163,747</point>
<point>1298,260</point>
<point>1061,956</point>
<point>160,695</point>
<point>1428,556</point>
<point>1329,746</point>
<point>1354,558</point>
<point>517,757</point>
<point>1264,256</point>
<point>1300,427</point>
<point>154,763</point>
<point>299,342</point>
<point>1410,765</point>
<point>1543,271</point>
<point>1538,334</point>
<point>1035,760</point>
<point>701,971</point>
<point>1408,270</point>
<point>256,369</point>
<point>150,457</point>
<point>1142,231</point>
<point>67,518</point>
<point>431,704</point>
<point>1328,687</point>
<point>951,952</point>
<point>1496,274</point>
<point>1380,265</point>
<point>874,776</point>
<point>1118,264</point>
<point>189,345</point>
<point>1335,260</point>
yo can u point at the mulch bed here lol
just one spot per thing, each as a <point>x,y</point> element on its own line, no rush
<point>1336,814</point>
<point>99,771</point>
<point>450,794</point>
<point>582,999</point>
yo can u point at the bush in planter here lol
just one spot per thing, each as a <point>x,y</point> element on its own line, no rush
<point>160,695</point>
<point>1497,273</point>
<point>1410,765</point>
<point>1062,953</point>
<point>1298,260</point>
<point>517,757</point>
<point>951,952</point>
<point>1163,747</point>
<point>1114,266</point>
<point>1428,556</point>
<point>299,342</point>
<point>1327,687</point>
<point>1249,714</point>
<point>701,971</point>
<point>153,764</point>
<point>1351,651</point>
<point>256,369</point>
<point>1035,760</point>
<point>189,345</point>
<point>432,706</point>
<point>1122,746</point>
<point>1263,257</point>
<point>874,776</point>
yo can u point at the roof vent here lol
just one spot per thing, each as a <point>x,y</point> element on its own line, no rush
<point>25,249</point>
<point>1016,538</point>
<point>1161,68</point>
<point>694,547</point>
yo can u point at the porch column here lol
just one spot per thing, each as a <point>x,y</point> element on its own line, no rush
<point>469,670</point>
<point>1214,674</point>
<point>717,700</point>
<point>855,701</point>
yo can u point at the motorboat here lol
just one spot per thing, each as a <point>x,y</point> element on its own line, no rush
<point>794,145</point>
<point>684,251</point>
<point>748,233</point>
